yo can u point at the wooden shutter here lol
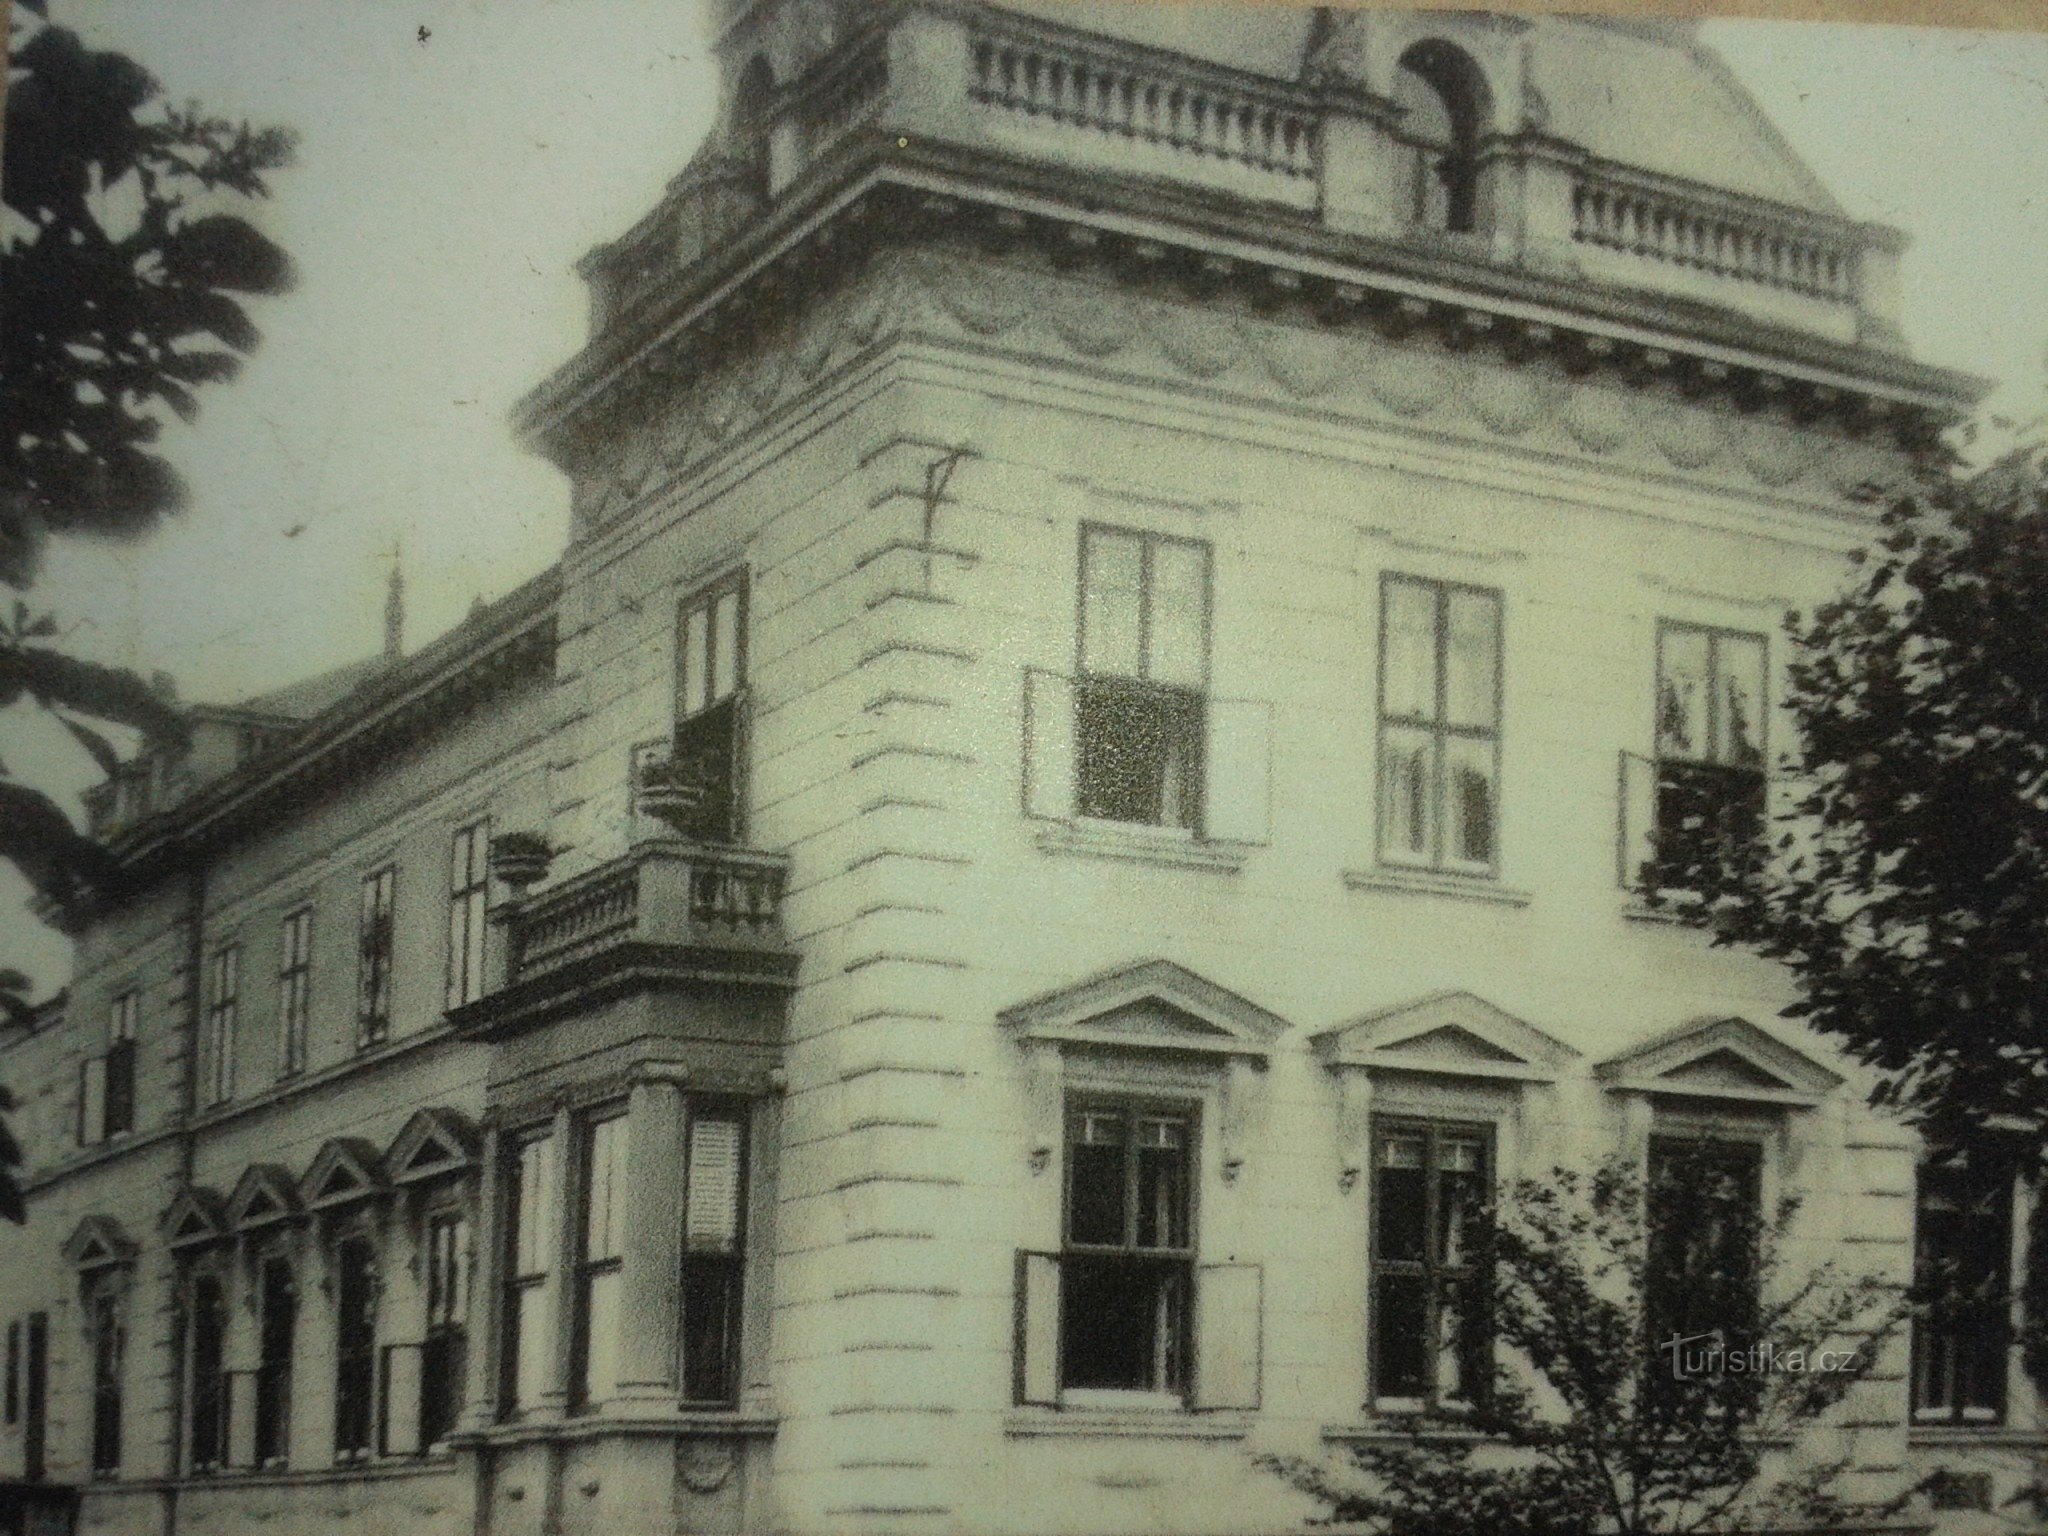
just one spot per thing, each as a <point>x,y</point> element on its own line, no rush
<point>1238,783</point>
<point>711,1205</point>
<point>1228,1323</point>
<point>399,1430</point>
<point>92,1100</point>
<point>1048,745</point>
<point>1636,818</point>
<point>1038,1329</point>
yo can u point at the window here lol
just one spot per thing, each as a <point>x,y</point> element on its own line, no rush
<point>1445,97</point>
<point>714,1179</point>
<point>529,1199</point>
<point>1139,703</point>
<point>1963,1255</point>
<point>120,1110</point>
<point>373,991</point>
<point>1127,1267</point>
<point>12,1391</point>
<point>355,1346</point>
<point>595,1314</point>
<point>708,754</point>
<point>35,1394</point>
<point>1430,1346</point>
<point>1705,1233</point>
<point>277,1316</point>
<point>108,1342</point>
<point>1440,707</point>
<point>1709,793</point>
<point>469,890</point>
<point>221,1014</point>
<point>445,1354</point>
<point>294,991</point>
<point>206,1364</point>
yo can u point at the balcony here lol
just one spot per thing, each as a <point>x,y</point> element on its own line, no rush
<point>667,914</point>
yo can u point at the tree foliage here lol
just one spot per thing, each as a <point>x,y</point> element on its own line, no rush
<point>1590,1424</point>
<point>124,273</point>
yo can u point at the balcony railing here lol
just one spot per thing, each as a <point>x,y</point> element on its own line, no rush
<point>1749,247</point>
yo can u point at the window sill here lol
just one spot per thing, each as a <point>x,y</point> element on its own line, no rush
<point>1128,1423</point>
<point>697,1422</point>
<point>1672,914</point>
<point>1400,1429</point>
<point>1425,882</point>
<point>1982,1436</point>
<point>1159,846</point>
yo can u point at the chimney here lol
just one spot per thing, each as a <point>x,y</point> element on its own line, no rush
<point>394,614</point>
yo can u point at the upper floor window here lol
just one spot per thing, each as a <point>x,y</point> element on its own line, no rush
<point>595,1305</point>
<point>294,990</point>
<point>1709,788</point>
<point>714,1183</point>
<point>528,1309</point>
<point>469,889</point>
<point>1444,95</point>
<point>1429,1340</point>
<point>222,1014</point>
<point>1139,702</point>
<point>1962,1245</point>
<point>121,1024</point>
<point>707,764</point>
<point>1439,713</point>
<point>376,939</point>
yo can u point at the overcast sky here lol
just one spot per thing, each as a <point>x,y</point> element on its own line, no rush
<point>457,156</point>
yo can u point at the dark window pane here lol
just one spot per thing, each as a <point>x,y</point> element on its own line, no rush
<point>1138,753</point>
<point>1401,1199</point>
<point>278,1304</point>
<point>1162,1192</point>
<point>355,1306</point>
<point>710,1328</point>
<point>1123,1323</point>
<point>1096,1180</point>
<point>1401,1336</point>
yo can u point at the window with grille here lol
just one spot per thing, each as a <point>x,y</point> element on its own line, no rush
<point>1430,1345</point>
<point>1439,723</point>
<point>469,890</point>
<point>377,937</point>
<point>294,991</point>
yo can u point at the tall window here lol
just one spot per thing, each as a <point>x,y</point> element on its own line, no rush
<point>222,1013</point>
<point>602,1202</point>
<point>444,1364</point>
<point>1140,701</point>
<point>1710,748</point>
<point>1440,708</point>
<point>1705,1233</point>
<point>529,1198</point>
<point>1962,1339</point>
<point>294,991</point>
<point>469,892</point>
<point>711,676</point>
<point>1444,95</point>
<point>1126,1274</point>
<point>1429,1339</point>
<point>12,1393</point>
<point>108,1342</point>
<point>713,1234</point>
<point>355,1346</point>
<point>277,1316</point>
<point>206,1366</point>
<point>376,939</point>
<point>120,1108</point>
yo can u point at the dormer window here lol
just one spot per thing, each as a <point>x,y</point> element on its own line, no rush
<point>1445,96</point>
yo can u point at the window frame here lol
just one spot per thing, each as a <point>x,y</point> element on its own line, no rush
<point>1431,1269</point>
<point>376,943</point>
<point>1140,688</point>
<point>294,989</point>
<point>1991,1356</point>
<point>521,1320</point>
<point>445,1336</point>
<point>223,1020</point>
<point>107,1352</point>
<point>716,728</point>
<point>706,1268</point>
<point>271,1440</point>
<point>1693,1139</point>
<point>587,1269</point>
<point>355,1345</point>
<point>1437,860</point>
<point>469,909</point>
<point>198,1385</point>
<point>123,1022</point>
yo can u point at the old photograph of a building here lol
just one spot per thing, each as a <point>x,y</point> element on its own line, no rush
<point>979,937</point>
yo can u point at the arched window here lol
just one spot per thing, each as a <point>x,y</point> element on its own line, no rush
<point>1445,97</point>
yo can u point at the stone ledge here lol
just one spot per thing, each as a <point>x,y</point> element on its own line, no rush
<point>1137,1424</point>
<point>1422,882</point>
<point>1138,845</point>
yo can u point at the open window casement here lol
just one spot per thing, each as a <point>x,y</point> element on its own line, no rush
<point>1229,1313</point>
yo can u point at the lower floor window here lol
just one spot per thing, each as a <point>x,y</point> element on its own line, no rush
<point>1962,1338</point>
<point>1705,1242</point>
<point>714,1181</point>
<point>109,1347</point>
<point>355,1373</point>
<point>1430,1342</point>
<point>1126,1323</point>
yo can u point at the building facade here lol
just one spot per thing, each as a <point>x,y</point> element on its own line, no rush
<point>1141,580</point>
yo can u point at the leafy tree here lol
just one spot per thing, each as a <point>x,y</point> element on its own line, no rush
<point>1596,1422</point>
<point>1906,884</point>
<point>124,279</point>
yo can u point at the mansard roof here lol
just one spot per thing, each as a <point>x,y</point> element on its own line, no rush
<point>1446,1034</point>
<point>196,1217</point>
<point>343,1171</point>
<point>97,1242</point>
<point>433,1142</point>
<point>1153,1005</point>
<point>1721,1058</point>
<point>264,1194</point>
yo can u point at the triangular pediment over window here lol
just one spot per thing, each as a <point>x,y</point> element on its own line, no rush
<point>97,1242</point>
<point>346,1169</point>
<point>265,1194</point>
<point>1152,1006</point>
<point>435,1141</point>
<point>1730,1059</point>
<point>197,1217</point>
<point>1449,1034</point>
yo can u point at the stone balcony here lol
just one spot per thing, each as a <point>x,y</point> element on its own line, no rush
<point>667,915</point>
